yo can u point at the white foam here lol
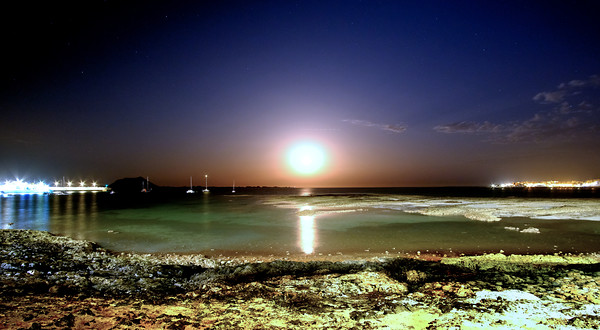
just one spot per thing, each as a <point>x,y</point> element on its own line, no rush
<point>592,218</point>
<point>530,230</point>
<point>499,208</point>
<point>566,217</point>
<point>485,206</point>
<point>551,217</point>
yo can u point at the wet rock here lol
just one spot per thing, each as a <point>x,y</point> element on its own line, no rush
<point>415,276</point>
<point>35,326</point>
<point>68,321</point>
<point>362,294</point>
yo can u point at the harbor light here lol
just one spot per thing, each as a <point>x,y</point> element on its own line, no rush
<point>18,187</point>
<point>21,187</point>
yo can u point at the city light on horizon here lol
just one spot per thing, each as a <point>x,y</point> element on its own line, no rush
<point>549,184</point>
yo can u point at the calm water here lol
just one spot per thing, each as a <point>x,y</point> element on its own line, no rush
<point>271,224</point>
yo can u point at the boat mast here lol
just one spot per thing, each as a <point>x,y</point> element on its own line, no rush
<point>206,179</point>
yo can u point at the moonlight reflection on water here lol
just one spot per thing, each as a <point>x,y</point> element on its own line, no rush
<point>306,229</point>
<point>307,234</point>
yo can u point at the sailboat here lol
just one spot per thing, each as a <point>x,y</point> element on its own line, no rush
<point>233,190</point>
<point>206,188</point>
<point>147,188</point>
<point>191,191</point>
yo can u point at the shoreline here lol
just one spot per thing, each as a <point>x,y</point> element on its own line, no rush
<point>55,281</point>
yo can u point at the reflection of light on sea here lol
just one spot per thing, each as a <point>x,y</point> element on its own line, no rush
<point>305,192</point>
<point>307,232</point>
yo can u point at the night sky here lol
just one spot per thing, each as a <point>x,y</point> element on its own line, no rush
<point>397,93</point>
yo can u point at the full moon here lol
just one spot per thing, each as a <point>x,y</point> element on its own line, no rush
<point>306,158</point>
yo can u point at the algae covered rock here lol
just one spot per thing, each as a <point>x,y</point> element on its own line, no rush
<point>157,291</point>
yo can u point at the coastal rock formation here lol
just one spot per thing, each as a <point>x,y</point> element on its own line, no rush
<point>49,281</point>
<point>132,185</point>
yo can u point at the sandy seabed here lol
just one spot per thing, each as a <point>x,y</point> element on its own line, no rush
<point>53,282</point>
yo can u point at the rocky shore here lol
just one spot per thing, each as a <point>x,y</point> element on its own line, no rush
<point>475,208</point>
<point>50,282</point>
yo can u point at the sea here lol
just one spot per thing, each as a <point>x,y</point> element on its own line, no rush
<point>321,222</point>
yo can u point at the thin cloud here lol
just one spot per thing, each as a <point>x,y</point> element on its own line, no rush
<point>583,106</point>
<point>564,90</point>
<point>469,127</point>
<point>572,115</point>
<point>550,97</point>
<point>593,80</point>
<point>542,127</point>
<point>394,128</point>
<point>18,139</point>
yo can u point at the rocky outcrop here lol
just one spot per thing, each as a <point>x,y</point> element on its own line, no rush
<point>132,185</point>
<point>54,281</point>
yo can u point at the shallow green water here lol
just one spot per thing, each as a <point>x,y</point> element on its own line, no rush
<point>259,225</point>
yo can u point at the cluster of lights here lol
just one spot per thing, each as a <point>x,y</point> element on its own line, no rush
<point>70,184</point>
<point>20,187</point>
<point>549,184</point>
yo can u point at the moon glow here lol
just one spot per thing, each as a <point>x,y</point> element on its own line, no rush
<point>306,158</point>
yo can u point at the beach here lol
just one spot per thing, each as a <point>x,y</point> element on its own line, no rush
<point>51,281</point>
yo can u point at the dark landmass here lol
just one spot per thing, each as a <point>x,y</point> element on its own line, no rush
<point>50,281</point>
<point>131,186</point>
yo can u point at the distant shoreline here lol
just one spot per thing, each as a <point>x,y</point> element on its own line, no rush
<point>441,191</point>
